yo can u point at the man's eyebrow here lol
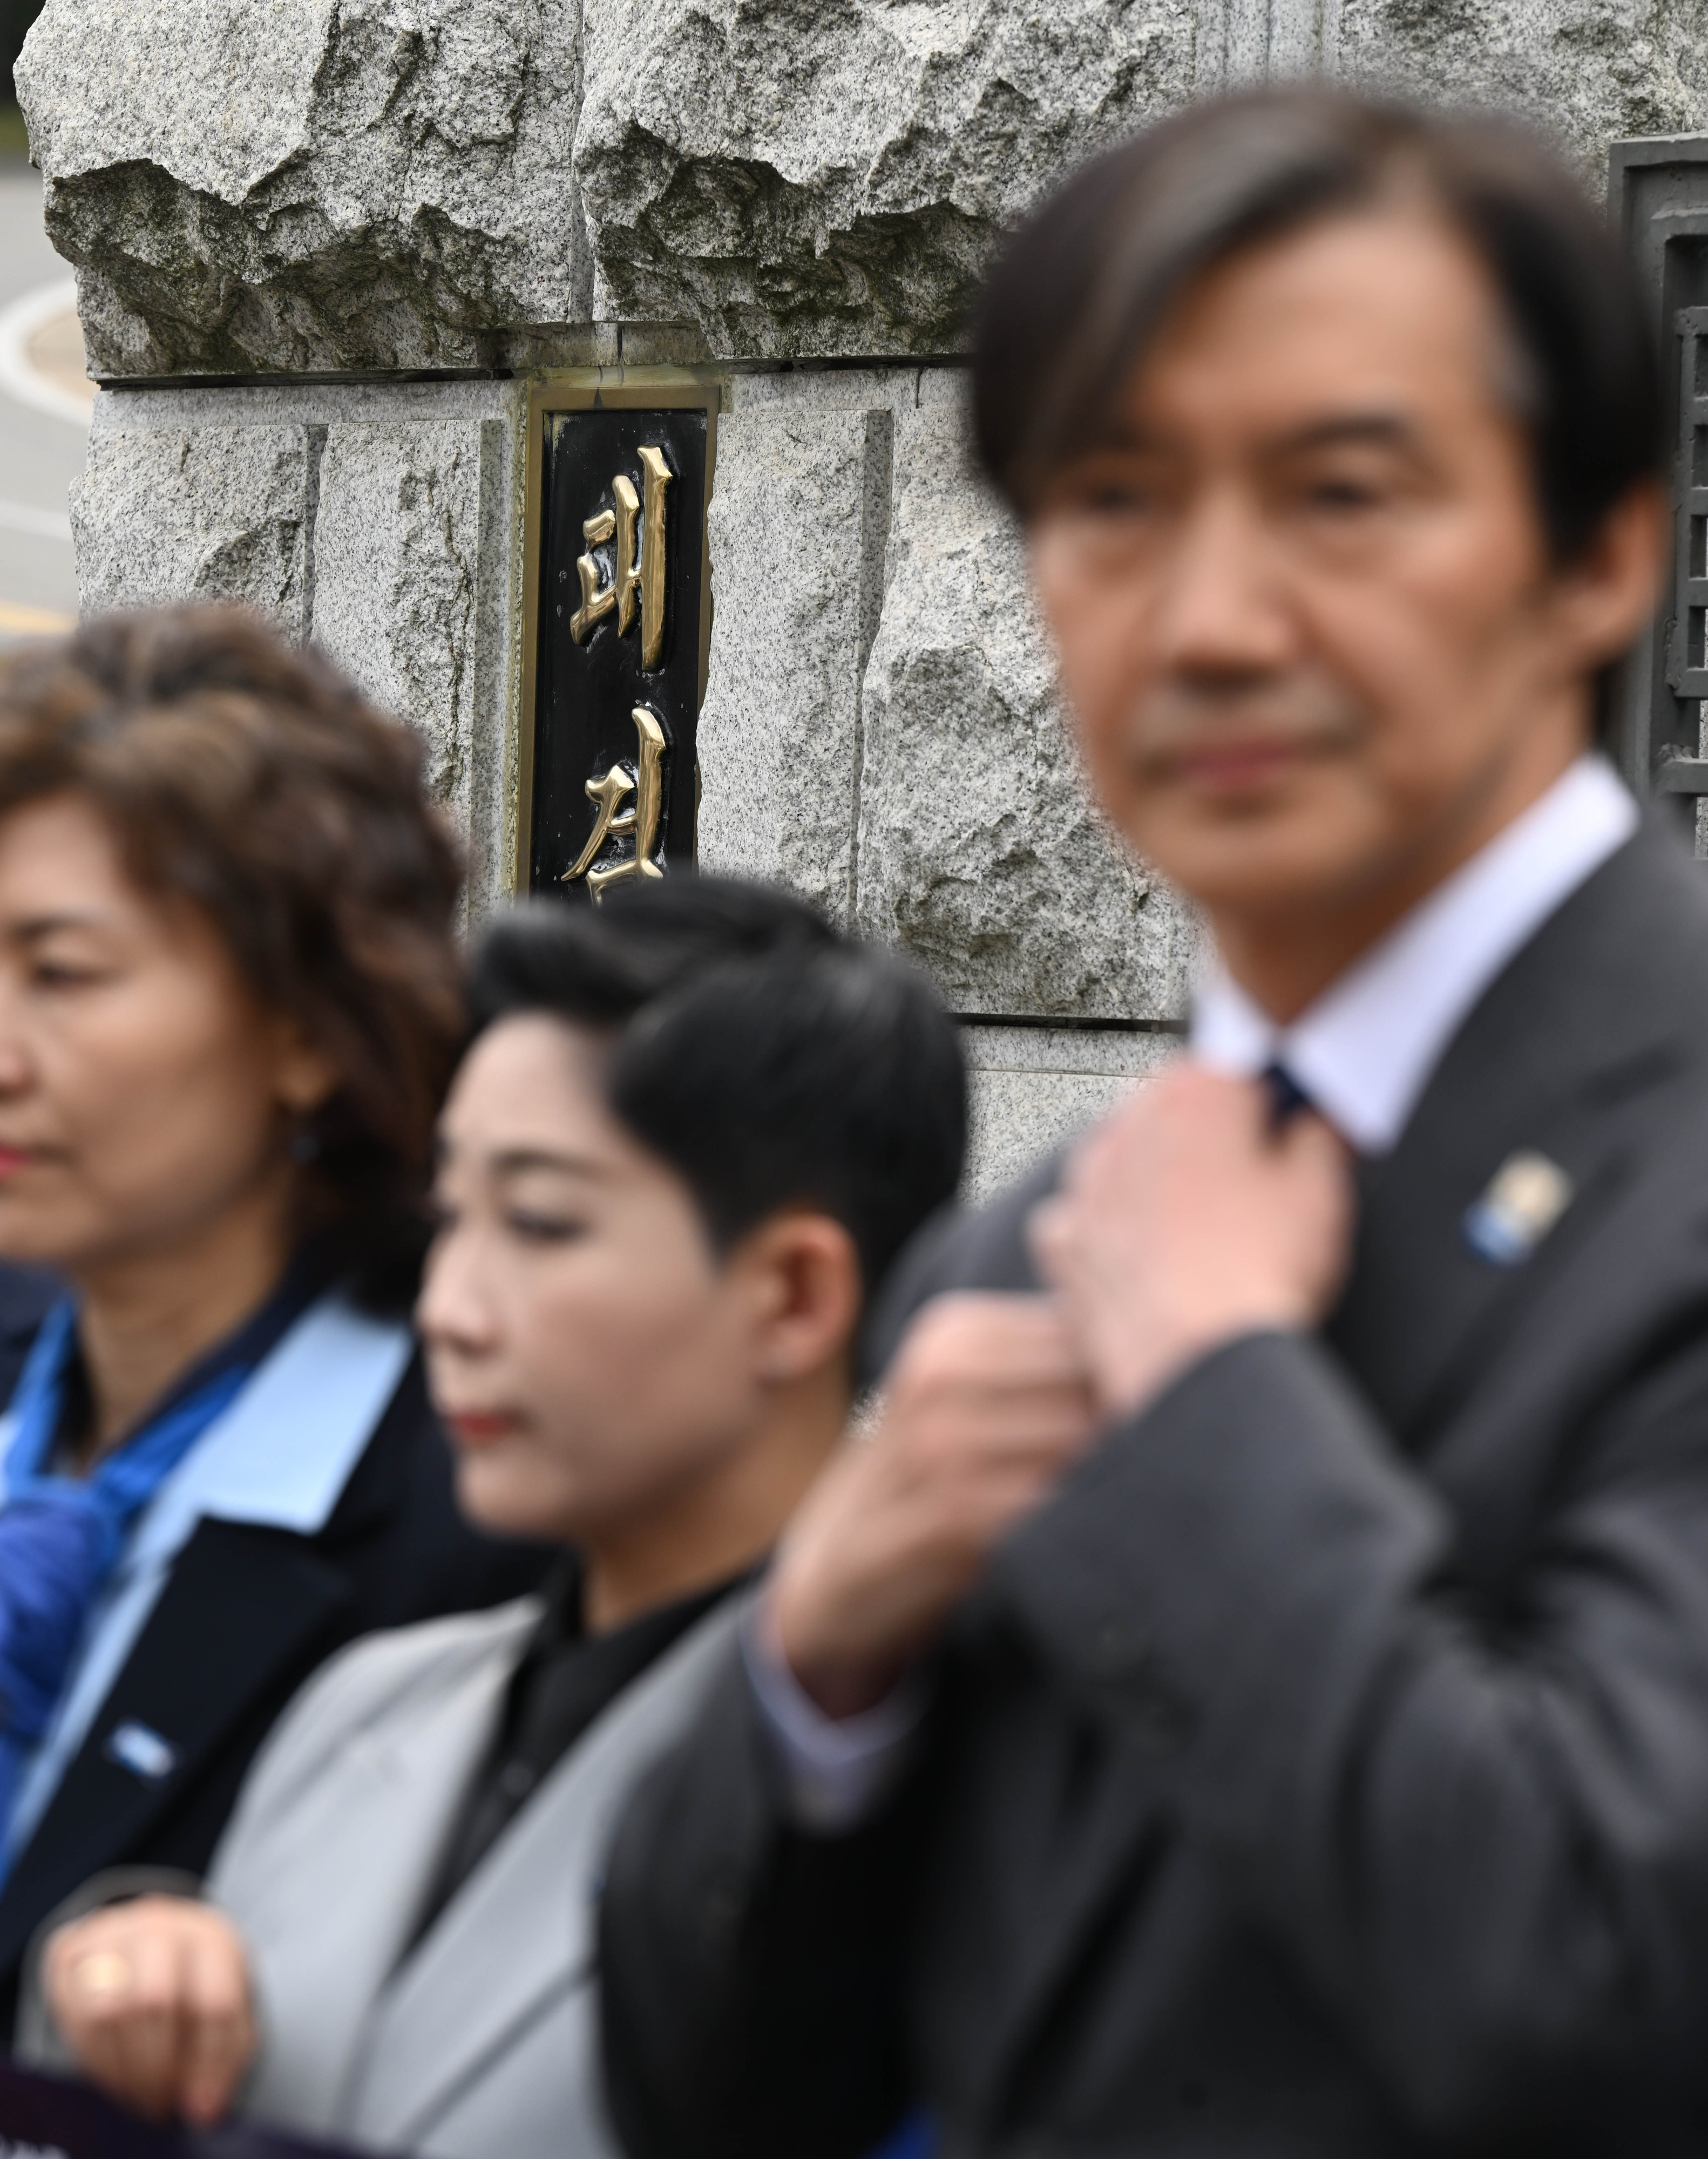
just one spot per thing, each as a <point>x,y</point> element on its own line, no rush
<point>1387,430</point>
<point>1383,427</point>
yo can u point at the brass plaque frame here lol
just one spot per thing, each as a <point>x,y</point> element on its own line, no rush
<point>584,390</point>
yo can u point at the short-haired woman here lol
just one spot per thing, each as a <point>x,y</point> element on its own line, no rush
<point>692,1134</point>
<point>228,1006</point>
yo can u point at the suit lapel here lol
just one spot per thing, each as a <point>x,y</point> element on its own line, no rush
<point>1557,1058</point>
<point>1426,1310</point>
<point>521,1932</point>
<point>355,1832</point>
<point>241,1605</point>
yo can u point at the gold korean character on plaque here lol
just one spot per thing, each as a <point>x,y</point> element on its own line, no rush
<point>637,582</point>
<point>640,820</point>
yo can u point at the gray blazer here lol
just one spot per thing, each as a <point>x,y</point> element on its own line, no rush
<point>480,2040</point>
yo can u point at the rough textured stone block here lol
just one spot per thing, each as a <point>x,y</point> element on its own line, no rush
<point>1032,1089</point>
<point>217,513</point>
<point>827,176</point>
<point>405,538</point>
<point>310,183</point>
<point>880,715</point>
<point>1586,70</point>
<point>354,184</point>
<point>376,518</point>
<point>796,531</point>
<point>980,855</point>
<point>832,389</point>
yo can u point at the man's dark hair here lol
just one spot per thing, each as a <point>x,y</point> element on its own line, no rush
<point>770,1061</point>
<point>1082,287</point>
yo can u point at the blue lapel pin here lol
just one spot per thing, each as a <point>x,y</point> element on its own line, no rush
<point>1526,1197</point>
<point>143,1752</point>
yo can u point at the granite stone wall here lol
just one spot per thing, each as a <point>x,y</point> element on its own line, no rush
<point>376,518</point>
<point>322,246</point>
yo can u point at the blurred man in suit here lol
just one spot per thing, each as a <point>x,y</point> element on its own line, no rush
<point>1250,1693</point>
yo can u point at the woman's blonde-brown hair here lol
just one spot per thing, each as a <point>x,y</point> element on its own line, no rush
<point>248,777</point>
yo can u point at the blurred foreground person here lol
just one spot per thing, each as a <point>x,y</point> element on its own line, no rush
<point>694,1125</point>
<point>1319,1763</point>
<point>230,1000</point>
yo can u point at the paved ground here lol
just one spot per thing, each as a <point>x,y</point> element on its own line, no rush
<point>40,452</point>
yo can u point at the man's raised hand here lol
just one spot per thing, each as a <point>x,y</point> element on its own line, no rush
<point>1187,1218</point>
<point>988,1402</point>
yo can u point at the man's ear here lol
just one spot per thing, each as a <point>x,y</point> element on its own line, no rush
<point>801,1271</point>
<point>1609,593</point>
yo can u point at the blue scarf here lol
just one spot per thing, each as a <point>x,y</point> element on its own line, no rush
<point>61,1536</point>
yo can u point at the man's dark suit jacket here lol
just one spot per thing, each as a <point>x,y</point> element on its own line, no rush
<point>245,1616</point>
<point>1324,1768</point>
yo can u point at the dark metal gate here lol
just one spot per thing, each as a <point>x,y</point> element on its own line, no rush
<point>1658,193</point>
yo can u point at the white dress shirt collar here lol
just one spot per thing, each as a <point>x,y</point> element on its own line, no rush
<point>1363,1051</point>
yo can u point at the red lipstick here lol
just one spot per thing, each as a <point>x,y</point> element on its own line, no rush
<point>475,1428</point>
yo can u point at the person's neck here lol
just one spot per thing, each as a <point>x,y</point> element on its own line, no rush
<point>146,1317</point>
<point>723,1523</point>
<point>1285,954</point>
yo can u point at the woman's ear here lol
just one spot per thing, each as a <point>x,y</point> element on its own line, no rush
<point>305,1077</point>
<point>802,1270</point>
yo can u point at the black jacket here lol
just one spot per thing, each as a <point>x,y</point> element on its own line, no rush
<point>1324,1768</point>
<point>26,1293</point>
<point>245,1616</point>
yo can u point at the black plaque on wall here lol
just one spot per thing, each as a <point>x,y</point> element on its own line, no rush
<point>618,679</point>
